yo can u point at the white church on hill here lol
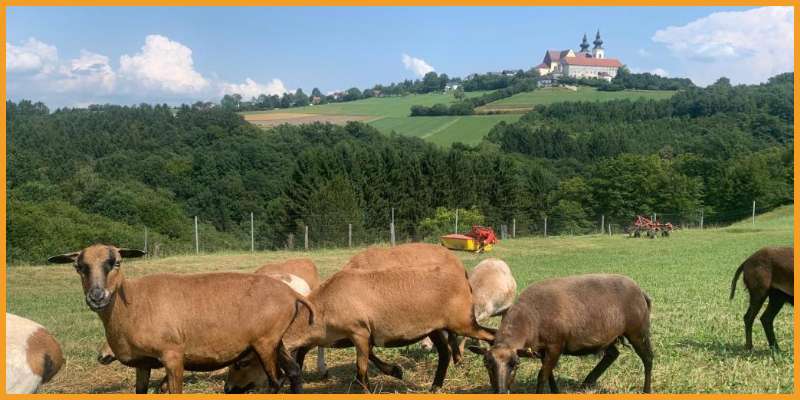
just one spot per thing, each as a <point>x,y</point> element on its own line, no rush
<point>582,64</point>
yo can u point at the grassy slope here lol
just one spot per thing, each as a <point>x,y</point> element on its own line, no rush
<point>444,130</point>
<point>392,106</point>
<point>555,95</point>
<point>697,332</point>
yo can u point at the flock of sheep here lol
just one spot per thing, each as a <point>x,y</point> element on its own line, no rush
<point>261,325</point>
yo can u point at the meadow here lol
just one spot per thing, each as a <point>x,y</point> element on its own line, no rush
<point>697,332</point>
<point>391,114</point>
<point>528,100</point>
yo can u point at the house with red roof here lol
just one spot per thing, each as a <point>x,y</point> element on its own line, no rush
<point>583,64</point>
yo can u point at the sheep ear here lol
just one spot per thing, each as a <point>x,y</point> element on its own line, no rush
<point>131,253</point>
<point>64,258</point>
<point>528,353</point>
<point>477,350</point>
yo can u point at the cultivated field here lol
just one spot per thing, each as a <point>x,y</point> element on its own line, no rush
<point>697,333</point>
<point>525,101</point>
<point>275,119</point>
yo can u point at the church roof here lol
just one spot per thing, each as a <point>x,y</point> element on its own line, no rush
<point>592,62</point>
<point>542,65</point>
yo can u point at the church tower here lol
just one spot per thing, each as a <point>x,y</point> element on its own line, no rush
<point>584,45</point>
<point>597,51</point>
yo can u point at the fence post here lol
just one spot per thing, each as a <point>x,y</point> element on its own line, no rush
<point>503,231</point>
<point>306,238</point>
<point>754,212</point>
<point>545,226</point>
<point>391,228</point>
<point>514,228</point>
<point>701,219</point>
<point>349,235</point>
<point>609,230</point>
<point>145,240</point>
<point>252,235</point>
<point>456,229</point>
<point>196,237</point>
<point>602,223</point>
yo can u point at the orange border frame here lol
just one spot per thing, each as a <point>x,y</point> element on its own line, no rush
<point>229,3</point>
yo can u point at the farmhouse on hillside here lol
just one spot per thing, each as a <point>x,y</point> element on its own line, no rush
<point>583,64</point>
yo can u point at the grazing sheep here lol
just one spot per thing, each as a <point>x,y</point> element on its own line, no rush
<point>33,356</point>
<point>493,290</point>
<point>388,308</point>
<point>195,322</point>
<point>576,315</point>
<point>768,273</point>
<point>246,374</point>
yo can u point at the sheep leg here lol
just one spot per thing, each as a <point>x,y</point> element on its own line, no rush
<point>549,363</point>
<point>142,380</point>
<point>609,357</point>
<point>173,363</point>
<point>444,358</point>
<point>291,369</point>
<point>641,345</point>
<point>756,301</point>
<point>776,300</point>
<point>388,369</point>
<point>266,351</point>
<point>363,348</point>
<point>322,369</point>
<point>456,346</point>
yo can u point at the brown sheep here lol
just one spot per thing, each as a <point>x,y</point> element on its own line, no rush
<point>388,308</point>
<point>196,322</point>
<point>768,273</point>
<point>33,356</point>
<point>576,315</point>
<point>245,374</point>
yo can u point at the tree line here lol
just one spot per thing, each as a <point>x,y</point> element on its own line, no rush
<point>77,176</point>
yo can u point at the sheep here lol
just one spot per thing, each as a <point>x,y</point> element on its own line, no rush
<point>33,356</point>
<point>575,315</point>
<point>246,374</point>
<point>196,322</point>
<point>768,273</point>
<point>493,290</point>
<point>388,308</point>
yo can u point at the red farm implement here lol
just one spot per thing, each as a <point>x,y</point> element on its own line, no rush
<point>480,239</point>
<point>651,228</point>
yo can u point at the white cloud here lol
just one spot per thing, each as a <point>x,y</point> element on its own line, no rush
<point>660,72</point>
<point>251,88</point>
<point>417,65</point>
<point>746,46</point>
<point>165,65</point>
<point>89,71</point>
<point>31,56</point>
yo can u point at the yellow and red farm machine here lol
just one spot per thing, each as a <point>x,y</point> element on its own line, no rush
<point>650,227</point>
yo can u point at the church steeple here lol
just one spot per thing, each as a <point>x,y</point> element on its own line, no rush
<point>598,43</point>
<point>597,51</point>
<point>584,45</point>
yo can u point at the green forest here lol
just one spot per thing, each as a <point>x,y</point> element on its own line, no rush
<point>106,173</point>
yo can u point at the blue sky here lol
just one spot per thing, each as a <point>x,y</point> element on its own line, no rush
<point>76,56</point>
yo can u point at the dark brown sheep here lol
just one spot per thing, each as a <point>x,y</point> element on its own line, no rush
<point>196,322</point>
<point>578,315</point>
<point>768,273</point>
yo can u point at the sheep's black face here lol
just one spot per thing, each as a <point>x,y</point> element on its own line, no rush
<point>502,364</point>
<point>95,264</point>
<point>98,267</point>
<point>244,375</point>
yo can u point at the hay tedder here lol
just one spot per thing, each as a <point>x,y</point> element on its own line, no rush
<point>480,239</point>
<point>651,228</point>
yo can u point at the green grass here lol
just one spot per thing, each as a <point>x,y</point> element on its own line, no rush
<point>444,130</point>
<point>697,332</point>
<point>555,95</point>
<point>391,106</point>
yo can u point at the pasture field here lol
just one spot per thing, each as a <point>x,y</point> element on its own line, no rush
<point>446,130</point>
<point>522,102</point>
<point>697,332</point>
